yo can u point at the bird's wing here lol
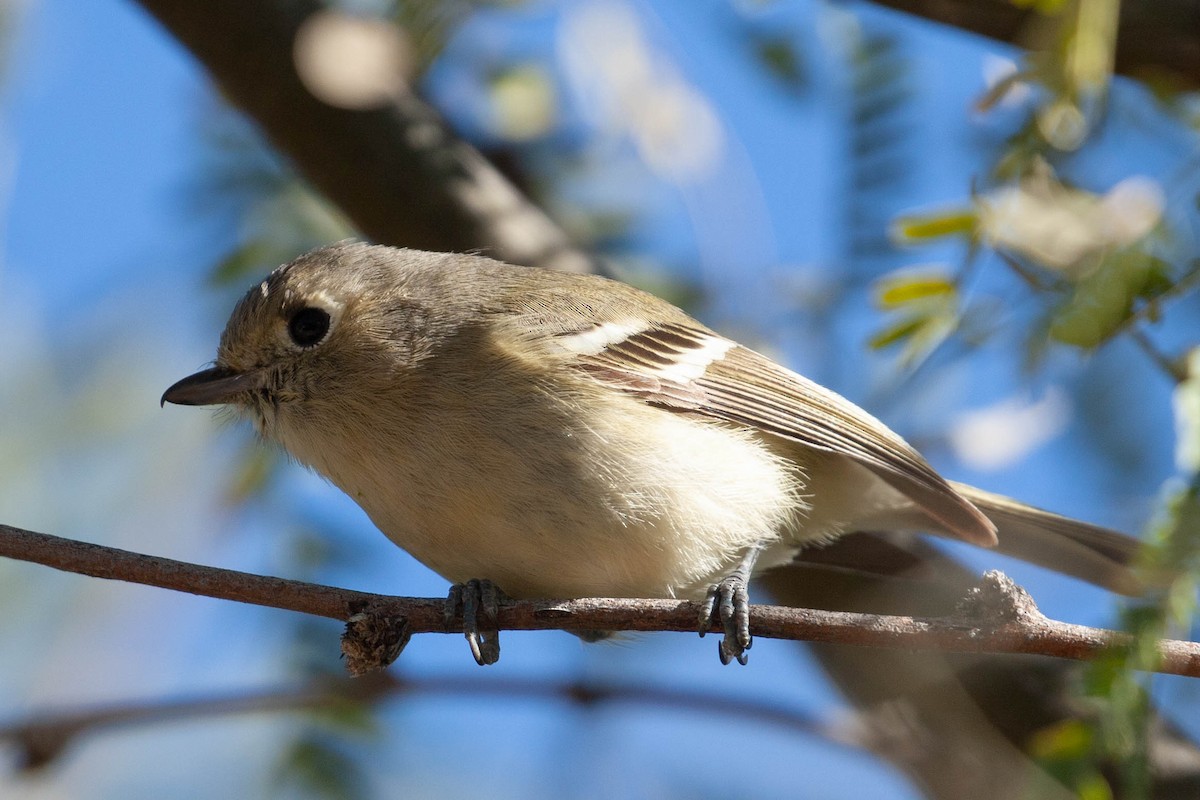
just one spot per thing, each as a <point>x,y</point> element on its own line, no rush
<point>681,365</point>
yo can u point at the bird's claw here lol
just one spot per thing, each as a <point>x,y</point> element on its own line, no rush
<point>478,600</point>
<point>729,602</point>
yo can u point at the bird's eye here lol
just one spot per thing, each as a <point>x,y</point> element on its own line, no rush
<point>308,326</point>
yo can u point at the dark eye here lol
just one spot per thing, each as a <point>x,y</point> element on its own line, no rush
<point>308,326</point>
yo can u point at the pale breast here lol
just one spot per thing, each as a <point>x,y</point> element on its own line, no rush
<point>641,502</point>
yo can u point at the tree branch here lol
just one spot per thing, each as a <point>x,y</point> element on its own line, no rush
<point>43,737</point>
<point>1155,37</point>
<point>396,171</point>
<point>997,617</point>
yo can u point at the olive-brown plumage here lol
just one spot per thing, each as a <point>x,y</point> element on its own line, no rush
<point>570,436</point>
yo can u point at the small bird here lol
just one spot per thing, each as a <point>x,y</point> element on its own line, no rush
<point>564,436</point>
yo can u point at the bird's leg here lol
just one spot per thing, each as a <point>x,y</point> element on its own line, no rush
<point>729,602</point>
<point>473,597</point>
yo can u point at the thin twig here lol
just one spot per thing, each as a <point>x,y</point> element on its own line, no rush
<point>1172,368</point>
<point>1039,283</point>
<point>1011,625</point>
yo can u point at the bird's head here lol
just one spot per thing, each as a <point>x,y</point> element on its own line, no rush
<point>318,337</point>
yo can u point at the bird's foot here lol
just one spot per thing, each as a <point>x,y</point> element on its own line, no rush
<point>479,601</point>
<point>729,603</point>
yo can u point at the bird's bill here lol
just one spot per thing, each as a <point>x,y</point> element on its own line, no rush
<point>213,386</point>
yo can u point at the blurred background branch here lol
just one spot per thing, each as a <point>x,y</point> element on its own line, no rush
<point>1156,40</point>
<point>385,159</point>
<point>47,736</point>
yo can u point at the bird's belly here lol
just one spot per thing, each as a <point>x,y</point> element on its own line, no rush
<point>658,505</point>
<point>594,514</point>
<point>534,557</point>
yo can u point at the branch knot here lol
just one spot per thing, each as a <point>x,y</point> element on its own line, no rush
<point>998,601</point>
<point>374,637</point>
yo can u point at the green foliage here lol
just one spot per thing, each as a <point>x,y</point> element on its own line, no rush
<point>901,290</point>
<point>233,269</point>
<point>1187,415</point>
<point>1118,684</point>
<point>1071,63</point>
<point>1022,152</point>
<point>1091,277</point>
<point>778,57</point>
<point>920,228</point>
<point>320,765</point>
<point>1102,302</point>
<point>1120,680</point>
<point>1048,7</point>
<point>255,469</point>
<point>524,106</point>
<point>925,310</point>
<point>1066,750</point>
<point>427,24</point>
<point>1093,262</point>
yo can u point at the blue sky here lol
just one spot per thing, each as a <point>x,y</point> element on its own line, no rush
<point>101,109</point>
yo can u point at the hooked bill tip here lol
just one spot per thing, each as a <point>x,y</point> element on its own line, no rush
<point>213,386</point>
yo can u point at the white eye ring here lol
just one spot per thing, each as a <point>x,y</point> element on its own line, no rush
<point>310,323</point>
<point>309,326</point>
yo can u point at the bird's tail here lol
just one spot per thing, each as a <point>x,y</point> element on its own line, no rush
<point>1089,552</point>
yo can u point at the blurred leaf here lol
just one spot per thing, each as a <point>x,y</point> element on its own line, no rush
<point>1067,751</point>
<point>1103,300</point>
<point>523,102</point>
<point>902,288</point>
<point>1066,739</point>
<point>1090,49</point>
<point>778,55</point>
<point>1119,681</point>
<point>599,229</point>
<point>1023,151</point>
<point>937,329</point>
<point>1181,599</point>
<point>1047,7</point>
<point>314,763</point>
<point>1175,538</point>
<point>350,716</point>
<point>1114,682</point>
<point>916,228</point>
<point>897,332</point>
<point>921,333</point>
<point>927,302</point>
<point>241,262</point>
<point>1187,416</point>
<point>1093,786</point>
<point>428,25</point>
<point>255,469</point>
<point>1092,314</point>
